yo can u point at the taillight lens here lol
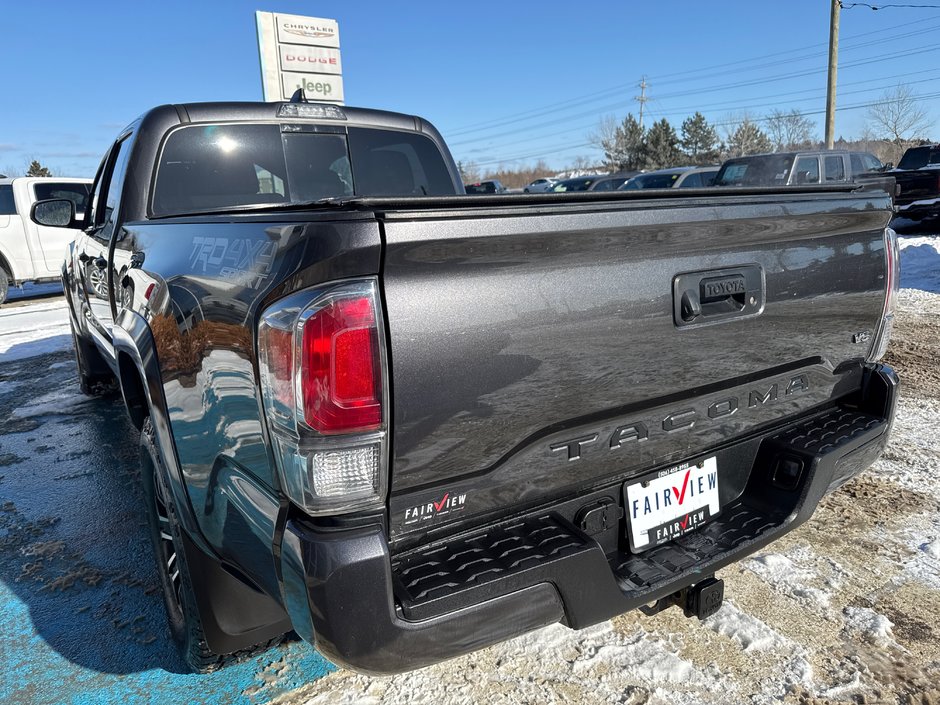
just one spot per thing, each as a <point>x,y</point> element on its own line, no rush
<point>341,372</point>
<point>323,383</point>
<point>892,286</point>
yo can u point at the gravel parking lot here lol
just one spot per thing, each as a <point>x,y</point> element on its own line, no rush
<point>844,610</point>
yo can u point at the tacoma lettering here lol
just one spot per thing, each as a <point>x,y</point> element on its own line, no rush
<point>684,419</point>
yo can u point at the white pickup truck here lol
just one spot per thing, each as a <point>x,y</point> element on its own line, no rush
<point>30,252</point>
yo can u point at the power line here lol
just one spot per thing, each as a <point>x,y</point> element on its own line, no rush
<point>558,112</point>
<point>561,148</point>
<point>705,90</point>
<point>849,6</point>
<point>607,92</point>
<point>816,94</point>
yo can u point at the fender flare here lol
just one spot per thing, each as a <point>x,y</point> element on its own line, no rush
<point>234,614</point>
<point>132,337</point>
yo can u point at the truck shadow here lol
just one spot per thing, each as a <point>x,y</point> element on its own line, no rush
<point>83,618</point>
<point>74,548</point>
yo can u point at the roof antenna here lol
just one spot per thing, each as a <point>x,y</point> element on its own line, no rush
<point>298,96</point>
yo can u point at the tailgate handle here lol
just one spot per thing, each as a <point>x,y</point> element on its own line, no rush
<point>701,297</point>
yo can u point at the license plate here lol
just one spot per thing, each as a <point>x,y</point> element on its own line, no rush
<point>671,503</point>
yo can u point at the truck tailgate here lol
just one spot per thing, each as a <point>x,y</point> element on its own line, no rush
<point>539,350</point>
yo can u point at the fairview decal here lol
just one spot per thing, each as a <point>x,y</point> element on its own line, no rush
<point>447,504</point>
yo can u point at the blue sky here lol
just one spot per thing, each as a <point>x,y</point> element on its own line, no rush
<point>504,82</point>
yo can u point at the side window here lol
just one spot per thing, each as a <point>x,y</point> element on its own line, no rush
<point>692,181</point>
<point>7,204</point>
<point>110,196</point>
<point>872,163</point>
<point>835,168</point>
<point>76,193</point>
<point>807,170</point>
<point>858,167</point>
<point>605,185</point>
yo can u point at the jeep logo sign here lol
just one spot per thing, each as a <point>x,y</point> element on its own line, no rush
<point>299,52</point>
<point>316,86</point>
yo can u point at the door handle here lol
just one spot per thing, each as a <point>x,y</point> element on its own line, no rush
<point>717,295</point>
<point>101,262</point>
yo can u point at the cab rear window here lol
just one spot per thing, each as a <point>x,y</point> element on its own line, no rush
<point>215,167</point>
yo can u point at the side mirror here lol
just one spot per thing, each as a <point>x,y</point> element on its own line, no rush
<point>54,212</point>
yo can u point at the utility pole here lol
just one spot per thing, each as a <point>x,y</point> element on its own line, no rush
<point>833,68</point>
<point>641,99</point>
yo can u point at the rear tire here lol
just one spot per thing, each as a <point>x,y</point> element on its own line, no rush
<point>179,594</point>
<point>95,378</point>
<point>4,286</point>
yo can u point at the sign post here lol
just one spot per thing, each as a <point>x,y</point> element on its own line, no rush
<point>299,52</point>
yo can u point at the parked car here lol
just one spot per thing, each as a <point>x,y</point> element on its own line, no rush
<point>573,433</point>
<point>30,252</point>
<point>489,186</point>
<point>699,177</point>
<point>676,177</point>
<point>578,183</point>
<point>612,182</point>
<point>663,178</point>
<point>918,184</point>
<point>798,168</point>
<point>540,185</point>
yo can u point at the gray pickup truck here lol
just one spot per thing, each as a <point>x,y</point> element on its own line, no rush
<point>407,423</point>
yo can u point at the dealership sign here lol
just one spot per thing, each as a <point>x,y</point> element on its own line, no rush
<point>299,52</point>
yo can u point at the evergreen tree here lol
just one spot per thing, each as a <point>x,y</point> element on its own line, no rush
<point>699,141</point>
<point>662,146</point>
<point>37,169</point>
<point>625,148</point>
<point>748,138</point>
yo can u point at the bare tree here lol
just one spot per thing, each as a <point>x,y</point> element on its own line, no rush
<point>469,171</point>
<point>624,143</point>
<point>899,117</point>
<point>789,130</point>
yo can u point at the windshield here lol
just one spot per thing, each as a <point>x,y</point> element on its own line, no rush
<point>208,167</point>
<point>919,157</point>
<point>771,170</point>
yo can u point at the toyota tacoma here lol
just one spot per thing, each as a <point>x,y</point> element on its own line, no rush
<point>407,423</point>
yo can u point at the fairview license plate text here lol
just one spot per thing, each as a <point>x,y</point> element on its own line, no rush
<point>670,505</point>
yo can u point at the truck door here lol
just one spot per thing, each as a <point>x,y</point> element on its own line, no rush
<point>92,245</point>
<point>11,231</point>
<point>54,241</point>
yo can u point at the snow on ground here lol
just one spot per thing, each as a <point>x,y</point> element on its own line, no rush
<point>869,624</point>
<point>35,327</point>
<point>920,262</point>
<point>846,609</point>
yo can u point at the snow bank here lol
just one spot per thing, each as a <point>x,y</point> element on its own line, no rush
<point>920,262</point>
<point>34,329</point>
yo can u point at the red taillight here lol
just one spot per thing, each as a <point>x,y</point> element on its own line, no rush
<point>341,372</point>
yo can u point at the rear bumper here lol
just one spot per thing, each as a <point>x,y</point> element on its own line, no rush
<point>923,209</point>
<point>371,612</point>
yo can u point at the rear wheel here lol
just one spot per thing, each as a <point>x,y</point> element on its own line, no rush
<point>4,285</point>
<point>179,598</point>
<point>178,588</point>
<point>94,376</point>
